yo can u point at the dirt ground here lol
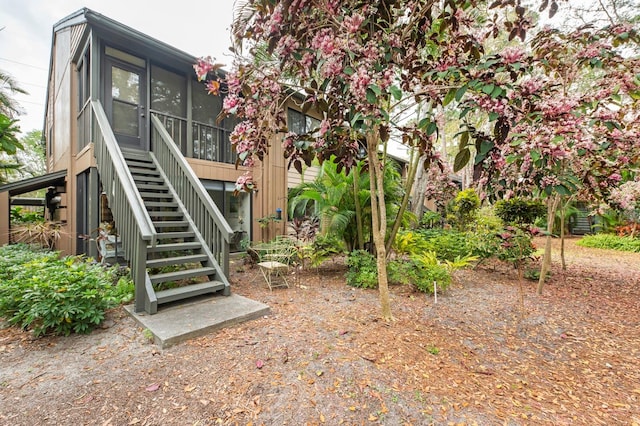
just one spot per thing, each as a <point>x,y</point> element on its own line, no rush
<point>324,357</point>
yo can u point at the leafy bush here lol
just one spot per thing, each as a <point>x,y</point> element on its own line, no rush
<point>610,241</point>
<point>463,208</point>
<point>516,246</point>
<point>519,210</point>
<point>20,215</point>
<point>47,294</point>
<point>403,272</point>
<point>431,270</point>
<point>325,247</point>
<point>446,244</point>
<point>362,271</point>
<point>483,241</point>
<point>409,242</point>
<point>430,219</point>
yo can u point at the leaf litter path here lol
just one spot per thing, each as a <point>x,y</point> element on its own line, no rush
<point>324,357</point>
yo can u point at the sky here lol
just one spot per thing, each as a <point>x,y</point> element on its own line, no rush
<point>199,28</point>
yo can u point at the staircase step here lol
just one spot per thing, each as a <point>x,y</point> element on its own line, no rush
<point>171,224</point>
<point>182,234</point>
<point>139,171</point>
<point>181,275</point>
<point>160,204</point>
<point>152,187</point>
<point>174,247</point>
<point>155,195</point>
<point>147,179</point>
<point>178,260</point>
<point>135,155</point>
<point>171,214</point>
<point>141,164</point>
<point>186,292</point>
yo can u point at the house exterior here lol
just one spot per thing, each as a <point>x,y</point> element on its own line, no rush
<point>136,158</point>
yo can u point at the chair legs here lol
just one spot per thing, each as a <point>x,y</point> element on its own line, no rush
<point>275,275</point>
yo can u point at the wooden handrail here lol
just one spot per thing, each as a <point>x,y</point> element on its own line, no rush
<point>132,220</point>
<point>138,210</point>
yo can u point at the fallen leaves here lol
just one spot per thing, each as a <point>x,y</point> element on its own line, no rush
<point>563,363</point>
<point>152,387</point>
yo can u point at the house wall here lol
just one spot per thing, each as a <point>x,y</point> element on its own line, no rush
<point>58,129</point>
<point>309,174</point>
<point>61,130</point>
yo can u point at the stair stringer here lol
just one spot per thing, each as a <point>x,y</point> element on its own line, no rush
<point>211,262</point>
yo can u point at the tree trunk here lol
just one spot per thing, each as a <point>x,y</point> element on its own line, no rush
<point>552,205</point>
<point>379,220</point>
<point>356,200</point>
<point>413,165</point>
<point>417,206</point>
<point>563,211</point>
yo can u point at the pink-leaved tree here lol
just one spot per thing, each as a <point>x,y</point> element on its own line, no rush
<point>566,119</point>
<point>361,66</point>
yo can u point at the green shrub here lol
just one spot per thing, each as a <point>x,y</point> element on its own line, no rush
<point>447,244</point>
<point>435,273</point>
<point>410,242</point>
<point>516,246</point>
<point>430,219</point>
<point>520,211</point>
<point>463,208</point>
<point>403,272</point>
<point>483,241</point>
<point>20,215</point>
<point>362,270</point>
<point>610,241</point>
<point>325,247</point>
<point>431,270</point>
<point>46,294</point>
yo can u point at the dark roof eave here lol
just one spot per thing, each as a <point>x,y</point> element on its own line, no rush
<point>35,183</point>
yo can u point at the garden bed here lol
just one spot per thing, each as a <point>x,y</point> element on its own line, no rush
<point>324,357</point>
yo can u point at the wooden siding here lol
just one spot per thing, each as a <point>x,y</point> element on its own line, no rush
<point>4,217</point>
<point>77,35</point>
<point>308,175</point>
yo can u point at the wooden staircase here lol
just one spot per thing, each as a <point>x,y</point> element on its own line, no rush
<point>179,265</point>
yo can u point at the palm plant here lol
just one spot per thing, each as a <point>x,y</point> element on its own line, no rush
<point>335,196</point>
<point>8,89</point>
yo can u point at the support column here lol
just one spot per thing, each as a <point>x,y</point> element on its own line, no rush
<point>5,217</point>
<point>93,208</point>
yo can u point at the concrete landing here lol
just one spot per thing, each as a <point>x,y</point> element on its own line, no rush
<point>179,322</point>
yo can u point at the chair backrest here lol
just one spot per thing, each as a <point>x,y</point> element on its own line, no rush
<point>280,250</point>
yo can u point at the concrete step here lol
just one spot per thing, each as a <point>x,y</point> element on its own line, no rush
<point>178,260</point>
<point>186,292</point>
<point>175,324</point>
